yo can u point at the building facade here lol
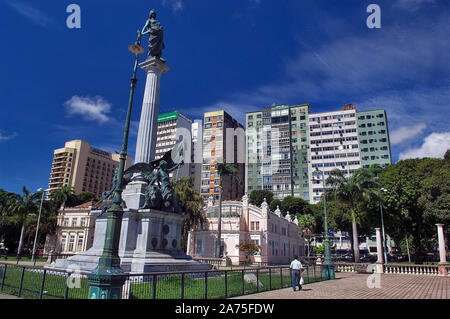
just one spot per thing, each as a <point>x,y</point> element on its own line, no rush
<point>279,237</point>
<point>223,138</point>
<point>277,142</point>
<point>288,148</point>
<point>170,127</point>
<point>75,230</point>
<point>85,168</point>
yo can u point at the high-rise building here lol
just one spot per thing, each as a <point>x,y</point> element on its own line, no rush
<point>223,138</point>
<point>85,168</point>
<point>277,150</point>
<point>320,142</point>
<point>196,156</point>
<point>170,127</point>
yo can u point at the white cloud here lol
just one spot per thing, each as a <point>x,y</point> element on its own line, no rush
<point>406,133</point>
<point>175,5</point>
<point>7,137</point>
<point>35,15</point>
<point>435,145</point>
<point>92,109</point>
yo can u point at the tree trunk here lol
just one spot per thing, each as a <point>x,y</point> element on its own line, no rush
<point>22,237</point>
<point>355,241</point>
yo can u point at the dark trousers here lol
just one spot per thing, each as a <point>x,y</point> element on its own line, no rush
<point>295,278</point>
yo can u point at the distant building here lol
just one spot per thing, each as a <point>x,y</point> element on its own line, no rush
<point>223,138</point>
<point>288,147</point>
<point>278,236</point>
<point>85,168</point>
<point>74,232</point>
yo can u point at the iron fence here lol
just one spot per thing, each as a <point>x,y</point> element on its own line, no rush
<point>37,283</point>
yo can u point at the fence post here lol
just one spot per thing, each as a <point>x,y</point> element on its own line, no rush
<point>66,293</point>
<point>226,284</point>
<point>257,280</point>
<point>21,282</point>
<point>281,277</point>
<point>182,286</point>
<point>243,286</point>
<point>270,278</point>
<point>4,276</point>
<point>155,278</point>
<point>206,285</point>
<point>42,285</point>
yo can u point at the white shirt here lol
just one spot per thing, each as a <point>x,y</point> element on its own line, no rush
<point>296,265</point>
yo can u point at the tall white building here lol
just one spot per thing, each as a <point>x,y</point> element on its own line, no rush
<point>171,126</point>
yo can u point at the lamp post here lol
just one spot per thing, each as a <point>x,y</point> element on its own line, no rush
<point>37,226</point>
<point>382,228</point>
<point>107,279</point>
<point>328,269</point>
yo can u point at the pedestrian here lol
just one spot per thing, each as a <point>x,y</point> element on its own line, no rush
<point>297,273</point>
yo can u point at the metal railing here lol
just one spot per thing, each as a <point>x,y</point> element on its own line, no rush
<point>403,269</point>
<point>37,283</point>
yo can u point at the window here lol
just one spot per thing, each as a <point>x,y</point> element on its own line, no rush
<point>82,221</point>
<point>74,221</point>
<point>198,247</point>
<point>71,242</point>
<point>63,242</point>
<point>80,242</point>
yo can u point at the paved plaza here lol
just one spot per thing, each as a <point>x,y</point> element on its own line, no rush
<point>354,286</point>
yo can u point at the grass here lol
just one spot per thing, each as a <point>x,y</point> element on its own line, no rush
<point>54,287</point>
<point>194,288</point>
<point>168,287</point>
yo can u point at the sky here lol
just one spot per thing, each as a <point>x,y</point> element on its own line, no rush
<point>59,83</point>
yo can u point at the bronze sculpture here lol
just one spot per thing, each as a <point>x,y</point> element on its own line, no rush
<point>160,193</point>
<point>155,36</point>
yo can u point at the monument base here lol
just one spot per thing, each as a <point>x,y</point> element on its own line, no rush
<point>149,242</point>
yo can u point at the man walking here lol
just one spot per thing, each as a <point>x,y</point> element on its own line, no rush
<point>297,272</point>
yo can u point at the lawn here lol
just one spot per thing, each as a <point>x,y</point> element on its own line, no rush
<point>194,288</point>
<point>141,287</point>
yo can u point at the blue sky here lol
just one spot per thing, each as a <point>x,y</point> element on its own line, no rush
<point>59,84</point>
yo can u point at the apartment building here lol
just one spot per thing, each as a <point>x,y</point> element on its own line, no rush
<point>288,148</point>
<point>277,141</point>
<point>171,126</point>
<point>223,138</point>
<point>85,168</point>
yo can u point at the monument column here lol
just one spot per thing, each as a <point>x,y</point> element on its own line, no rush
<point>146,139</point>
<point>442,262</point>
<point>134,193</point>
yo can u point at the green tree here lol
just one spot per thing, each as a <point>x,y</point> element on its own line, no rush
<point>62,195</point>
<point>25,204</point>
<point>294,205</point>
<point>225,170</point>
<point>353,191</point>
<point>191,204</point>
<point>417,197</point>
<point>274,204</point>
<point>257,197</point>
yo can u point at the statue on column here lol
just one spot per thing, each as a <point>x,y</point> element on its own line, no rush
<point>155,36</point>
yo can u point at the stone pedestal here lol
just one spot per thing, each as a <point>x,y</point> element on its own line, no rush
<point>442,258</point>
<point>149,242</point>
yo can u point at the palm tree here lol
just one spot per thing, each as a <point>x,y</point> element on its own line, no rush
<point>224,169</point>
<point>191,203</point>
<point>62,195</point>
<point>353,191</point>
<point>24,205</point>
